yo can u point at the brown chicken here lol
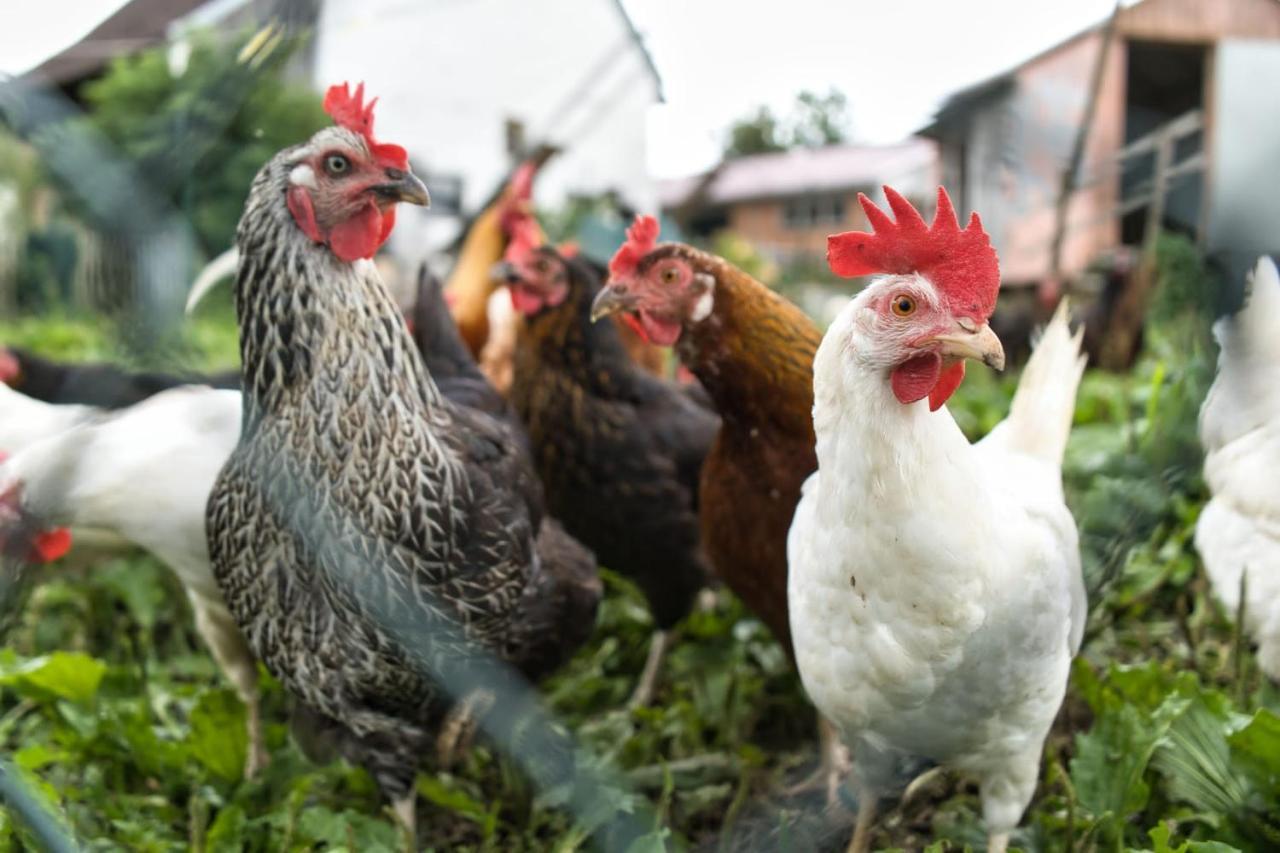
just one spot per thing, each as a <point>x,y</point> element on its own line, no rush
<point>753,351</point>
<point>471,283</point>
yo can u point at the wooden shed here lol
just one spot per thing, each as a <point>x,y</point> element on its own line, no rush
<point>1185,129</point>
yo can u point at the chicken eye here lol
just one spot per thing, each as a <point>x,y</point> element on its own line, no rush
<point>336,164</point>
<point>903,305</point>
<point>670,275</point>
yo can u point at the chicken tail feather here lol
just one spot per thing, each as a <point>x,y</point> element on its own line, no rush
<point>1040,417</point>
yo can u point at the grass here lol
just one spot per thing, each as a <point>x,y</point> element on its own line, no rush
<point>1169,739</point>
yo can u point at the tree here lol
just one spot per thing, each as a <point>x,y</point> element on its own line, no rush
<point>815,120</point>
<point>820,119</point>
<point>756,134</point>
<point>199,136</point>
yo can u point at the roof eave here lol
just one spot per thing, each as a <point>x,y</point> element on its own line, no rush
<point>638,37</point>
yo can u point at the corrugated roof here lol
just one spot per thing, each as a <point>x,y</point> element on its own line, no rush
<point>134,26</point>
<point>802,171</point>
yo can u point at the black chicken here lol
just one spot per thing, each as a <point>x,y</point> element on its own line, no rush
<point>619,450</point>
<point>373,541</point>
<point>104,386</point>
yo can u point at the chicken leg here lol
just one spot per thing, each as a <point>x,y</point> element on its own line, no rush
<point>659,645</point>
<point>998,842</point>
<point>459,727</point>
<point>406,812</point>
<point>233,656</point>
<point>832,768</point>
<point>867,800</point>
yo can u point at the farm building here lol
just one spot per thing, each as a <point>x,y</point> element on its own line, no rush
<point>787,203</point>
<point>1183,123</point>
<point>464,119</point>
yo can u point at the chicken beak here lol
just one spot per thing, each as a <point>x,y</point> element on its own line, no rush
<point>970,340</point>
<point>612,300</point>
<point>404,186</point>
<point>505,272</point>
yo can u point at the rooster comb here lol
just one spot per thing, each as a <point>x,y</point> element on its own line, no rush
<point>525,239</point>
<point>350,111</point>
<point>642,238</point>
<point>960,262</point>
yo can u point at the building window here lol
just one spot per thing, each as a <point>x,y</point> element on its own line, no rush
<point>813,211</point>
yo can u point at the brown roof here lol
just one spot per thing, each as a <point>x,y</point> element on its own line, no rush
<point>136,25</point>
<point>802,171</point>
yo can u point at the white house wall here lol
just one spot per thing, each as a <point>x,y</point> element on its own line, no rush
<point>448,73</point>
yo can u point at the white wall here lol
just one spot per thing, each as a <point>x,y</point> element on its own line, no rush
<point>1245,150</point>
<point>448,72</point>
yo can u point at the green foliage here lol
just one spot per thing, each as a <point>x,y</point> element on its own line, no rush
<point>199,136</point>
<point>758,133</point>
<point>815,120</point>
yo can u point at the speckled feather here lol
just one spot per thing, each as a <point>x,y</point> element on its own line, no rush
<point>353,473</point>
<point>619,451</point>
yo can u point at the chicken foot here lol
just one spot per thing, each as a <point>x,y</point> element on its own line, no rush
<point>460,724</point>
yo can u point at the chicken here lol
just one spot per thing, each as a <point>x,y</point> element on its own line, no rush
<point>471,283</point>
<point>569,586</point>
<point>935,591</point>
<point>1238,532</point>
<point>649,356</point>
<point>26,544</point>
<point>618,450</point>
<point>375,543</point>
<point>102,385</point>
<point>442,348</point>
<point>752,351</point>
<point>141,476</point>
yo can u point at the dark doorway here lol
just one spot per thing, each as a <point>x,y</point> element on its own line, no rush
<point>1165,81</point>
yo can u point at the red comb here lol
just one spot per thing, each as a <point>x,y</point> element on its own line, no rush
<point>10,368</point>
<point>517,197</point>
<point>521,186</point>
<point>642,238</point>
<point>50,545</point>
<point>569,249</point>
<point>960,262</point>
<point>350,111</point>
<point>526,237</point>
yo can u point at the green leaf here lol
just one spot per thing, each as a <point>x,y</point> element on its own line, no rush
<point>73,676</point>
<point>227,831</point>
<point>653,842</point>
<point>451,798</point>
<point>1162,836</point>
<point>139,585</point>
<point>348,830</point>
<point>1111,758</point>
<point>1256,750</point>
<point>218,738</point>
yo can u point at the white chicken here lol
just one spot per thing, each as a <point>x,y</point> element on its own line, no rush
<point>141,476</point>
<point>935,591</point>
<point>1238,533</point>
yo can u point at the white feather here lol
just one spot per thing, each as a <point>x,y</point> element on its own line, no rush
<point>934,587</point>
<point>1238,531</point>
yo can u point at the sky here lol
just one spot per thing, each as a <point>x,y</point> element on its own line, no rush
<point>896,60</point>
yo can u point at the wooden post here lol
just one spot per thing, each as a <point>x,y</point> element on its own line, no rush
<point>1068,184</point>
<point>1129,314</point>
